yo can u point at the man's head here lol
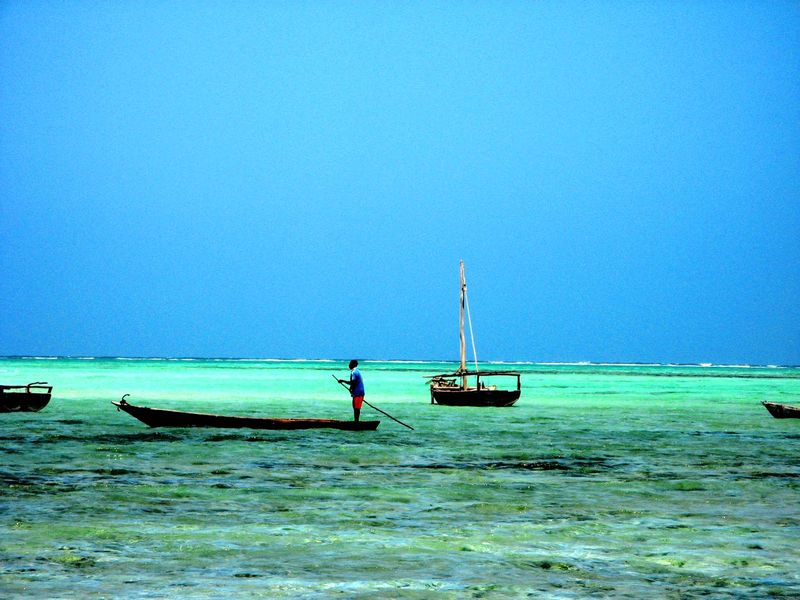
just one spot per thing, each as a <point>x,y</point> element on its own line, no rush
<point>353,364</point>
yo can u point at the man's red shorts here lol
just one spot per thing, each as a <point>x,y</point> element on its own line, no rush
<point>358,401</point>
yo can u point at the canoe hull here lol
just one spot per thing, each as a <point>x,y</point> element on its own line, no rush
<point>31,398</point>
<point>782,411</point>
<point>159,417</point>
<point>458,397</point>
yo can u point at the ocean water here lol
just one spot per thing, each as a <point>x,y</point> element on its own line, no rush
<point>603,481</point>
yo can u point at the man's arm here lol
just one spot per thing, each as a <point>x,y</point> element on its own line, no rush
<point>350,382</point>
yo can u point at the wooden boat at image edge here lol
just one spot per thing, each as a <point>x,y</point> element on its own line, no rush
<point>782,411</point>
<point>453,389</point>
<point>159,417</point>
<point>25,398</point>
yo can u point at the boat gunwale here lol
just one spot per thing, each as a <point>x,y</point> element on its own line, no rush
<point>38,388</point>
<point>476,373</point>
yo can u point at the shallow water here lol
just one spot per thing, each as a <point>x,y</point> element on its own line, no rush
<point>623,481</point>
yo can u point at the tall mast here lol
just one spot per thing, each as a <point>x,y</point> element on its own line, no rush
<point>461,326</point>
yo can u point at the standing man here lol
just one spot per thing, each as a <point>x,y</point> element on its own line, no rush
<point>356,388</point>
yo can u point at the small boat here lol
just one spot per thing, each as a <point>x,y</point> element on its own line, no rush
<point>453,389</point>
<point>25,398</point>
<point>159,417</point>
<point>782,411</point>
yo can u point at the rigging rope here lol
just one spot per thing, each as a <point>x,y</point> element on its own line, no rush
<point>471,335</point>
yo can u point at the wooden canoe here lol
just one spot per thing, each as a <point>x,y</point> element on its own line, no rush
<point>159,417</point>
<point>782,411</point>
<point>24,398</point>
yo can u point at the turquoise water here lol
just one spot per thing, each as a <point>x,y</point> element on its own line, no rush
<point>604,481</point>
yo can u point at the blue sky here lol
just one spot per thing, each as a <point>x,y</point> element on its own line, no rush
<point>300,179</point>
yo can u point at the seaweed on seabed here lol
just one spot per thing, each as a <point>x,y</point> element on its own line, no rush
<point>543,465</point>
<point>69,558</point>
<point>111,438</point>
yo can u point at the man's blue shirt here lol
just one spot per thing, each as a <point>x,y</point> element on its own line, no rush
<point>356,383</point>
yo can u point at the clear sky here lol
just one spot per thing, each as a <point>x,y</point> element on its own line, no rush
<point>300,179</point>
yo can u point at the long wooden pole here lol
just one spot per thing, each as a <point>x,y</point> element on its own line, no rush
<point>375,407</point>
<point>461,326</point>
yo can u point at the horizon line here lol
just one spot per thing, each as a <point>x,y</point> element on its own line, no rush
<point>391,360</point>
